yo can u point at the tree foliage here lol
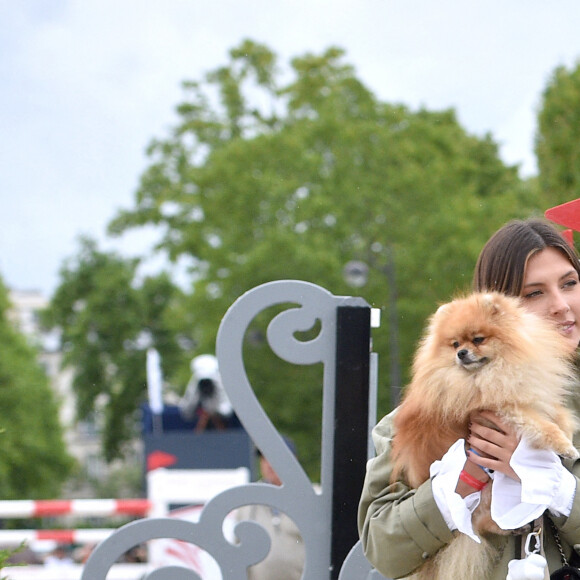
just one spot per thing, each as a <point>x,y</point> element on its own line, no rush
<point>34,462</point>
<point>263,180</point>
<point>558,137</point>
<point>108,320</point>
<point>273,174</point>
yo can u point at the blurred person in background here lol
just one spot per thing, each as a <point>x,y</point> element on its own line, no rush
<point>205,397</point>
<point>285,561</point>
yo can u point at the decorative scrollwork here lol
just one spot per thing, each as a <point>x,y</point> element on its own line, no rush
<point>310,509</point>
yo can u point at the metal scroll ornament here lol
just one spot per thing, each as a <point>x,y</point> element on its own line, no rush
<point>310,509</point>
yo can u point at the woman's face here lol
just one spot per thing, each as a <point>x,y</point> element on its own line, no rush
<point>551,289</point>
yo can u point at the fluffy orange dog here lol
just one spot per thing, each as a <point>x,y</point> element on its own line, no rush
<point>483,351</point>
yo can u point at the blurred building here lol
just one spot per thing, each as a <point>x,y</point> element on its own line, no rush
<point>82,437</point>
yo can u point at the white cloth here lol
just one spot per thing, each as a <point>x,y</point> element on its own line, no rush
<point>531,567</point>
<point>545,484</point>
<point>456,510</point>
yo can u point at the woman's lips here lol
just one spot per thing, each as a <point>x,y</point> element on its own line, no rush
<point>566,327</point>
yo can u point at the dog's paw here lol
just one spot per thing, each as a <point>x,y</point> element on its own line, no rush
<point>573,454</point>
<point>569,451</point>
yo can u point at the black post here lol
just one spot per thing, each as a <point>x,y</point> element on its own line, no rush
<point>350,428</point>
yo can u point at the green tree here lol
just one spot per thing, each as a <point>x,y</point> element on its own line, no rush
<point>34,462</point>
<point>272,176</point>
<point>558,137</point>
<point>108,319</point>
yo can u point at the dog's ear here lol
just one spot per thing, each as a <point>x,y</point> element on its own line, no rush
<point>493,302</point>
<point>438,316</point>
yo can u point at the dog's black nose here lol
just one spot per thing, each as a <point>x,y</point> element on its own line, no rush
<point>461,354</point>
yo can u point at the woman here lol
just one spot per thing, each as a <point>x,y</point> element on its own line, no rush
<point>401,528</point>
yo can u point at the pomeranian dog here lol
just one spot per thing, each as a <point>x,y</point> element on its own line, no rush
<point>481,352</point>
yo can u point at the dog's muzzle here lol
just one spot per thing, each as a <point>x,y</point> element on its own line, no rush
<point>467,359</point>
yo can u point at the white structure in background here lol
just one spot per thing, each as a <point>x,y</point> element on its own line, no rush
<point>81,438</point>
<point>155,388</point>
<point>191,488</point>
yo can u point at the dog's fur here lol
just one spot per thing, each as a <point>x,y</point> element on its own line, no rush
<point>481,352</point>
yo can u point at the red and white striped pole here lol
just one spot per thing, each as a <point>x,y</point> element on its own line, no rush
<point>75,507</point>
<point>88,536</point>
<point>63,507</point>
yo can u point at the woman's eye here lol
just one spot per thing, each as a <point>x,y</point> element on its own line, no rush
<point>533,294</point>
<point>478,340</point>
<point>570,283</point>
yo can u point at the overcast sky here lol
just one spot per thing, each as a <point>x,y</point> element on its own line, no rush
<point>86,84</point>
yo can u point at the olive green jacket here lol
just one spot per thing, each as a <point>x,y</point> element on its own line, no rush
<point>401,527</point>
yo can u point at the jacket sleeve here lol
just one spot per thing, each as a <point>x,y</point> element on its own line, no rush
<point>400,528</point>
<point>569,527</point>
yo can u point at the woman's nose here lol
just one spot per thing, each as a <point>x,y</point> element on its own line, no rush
<point>559,304</point>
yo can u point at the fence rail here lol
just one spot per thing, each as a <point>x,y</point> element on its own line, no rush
<point>76,507</point>
<point>80,536</point>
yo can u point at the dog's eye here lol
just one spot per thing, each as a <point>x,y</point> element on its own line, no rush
<point>455,344</point>
<point>478,340</point>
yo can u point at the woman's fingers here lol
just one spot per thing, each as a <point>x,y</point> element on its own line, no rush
<point>494,440</point>
<point>489,427</point>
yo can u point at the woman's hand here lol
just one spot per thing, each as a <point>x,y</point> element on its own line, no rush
<point>494,442</point>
